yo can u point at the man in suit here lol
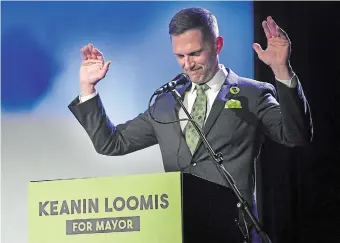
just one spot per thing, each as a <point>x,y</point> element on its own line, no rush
<point>234,112</point>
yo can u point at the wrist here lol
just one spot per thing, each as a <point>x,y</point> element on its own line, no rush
<point>283,72</point>
<point>87,89</point>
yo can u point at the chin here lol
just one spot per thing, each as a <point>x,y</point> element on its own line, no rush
<point>198,80</point>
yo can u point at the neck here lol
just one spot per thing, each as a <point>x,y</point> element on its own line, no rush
<point>216,69</point>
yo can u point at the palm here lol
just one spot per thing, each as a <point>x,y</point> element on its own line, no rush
<point>91,71</point>
<point>93,68</point>
<point>277,52</point>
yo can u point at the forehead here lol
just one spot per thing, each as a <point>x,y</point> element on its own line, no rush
<point>187,42</point>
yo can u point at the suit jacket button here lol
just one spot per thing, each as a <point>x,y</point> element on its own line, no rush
<point>194,164</point>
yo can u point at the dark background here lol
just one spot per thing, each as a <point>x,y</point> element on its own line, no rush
<point>300,185</point>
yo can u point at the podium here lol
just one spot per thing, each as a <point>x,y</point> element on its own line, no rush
<point>171,207</point>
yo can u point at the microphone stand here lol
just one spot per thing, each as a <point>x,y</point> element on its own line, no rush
<point>218,160</point>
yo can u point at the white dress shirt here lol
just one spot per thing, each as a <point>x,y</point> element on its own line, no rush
<point>215,85</point>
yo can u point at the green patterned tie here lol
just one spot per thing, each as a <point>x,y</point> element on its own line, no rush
<point>198,113</point>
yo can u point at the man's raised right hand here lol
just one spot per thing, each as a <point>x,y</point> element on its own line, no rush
<point>92,70</point>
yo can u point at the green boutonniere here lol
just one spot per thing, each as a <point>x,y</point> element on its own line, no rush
<point>233,104</point>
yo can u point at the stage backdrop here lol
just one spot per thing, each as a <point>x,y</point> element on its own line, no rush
<point>40,54</point>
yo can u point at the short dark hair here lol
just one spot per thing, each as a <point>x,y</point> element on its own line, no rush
<point>194,18</point>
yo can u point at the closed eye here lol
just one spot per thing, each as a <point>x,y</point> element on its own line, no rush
<point>194,53</point>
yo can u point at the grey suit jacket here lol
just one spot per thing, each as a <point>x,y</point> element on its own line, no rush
<point>237,133</point>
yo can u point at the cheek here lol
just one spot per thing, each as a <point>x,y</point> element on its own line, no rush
<point>180,62</point>
<point>200,61</point>
<point>204,61</point>
<point>211,60</point>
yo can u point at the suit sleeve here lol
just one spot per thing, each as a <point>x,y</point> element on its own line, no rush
<point>285,116</point>
<point>107,138</point>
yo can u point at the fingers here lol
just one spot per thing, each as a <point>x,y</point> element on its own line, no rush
<point>98,54</point>
<point>106,68</point>
<point>282,34</point>
<point>272,30</point>
<point>266,29</point>
<point>90,47</point>
<point>86,52</point>
<point>258,49</point>
<point>275,29</point>
<point>89,52</point>
<point>83,52</point>
<point>272,26</point>
<point>107,65</point>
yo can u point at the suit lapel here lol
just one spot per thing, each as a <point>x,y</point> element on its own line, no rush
<point>219,103</point>
<point>217,107</point>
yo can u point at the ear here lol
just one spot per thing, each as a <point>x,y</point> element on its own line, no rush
<point>219,44</point>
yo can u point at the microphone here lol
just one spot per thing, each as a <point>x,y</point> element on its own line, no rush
<point>180,79</point>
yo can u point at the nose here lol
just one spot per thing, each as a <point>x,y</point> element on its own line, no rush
<point>188,63</point>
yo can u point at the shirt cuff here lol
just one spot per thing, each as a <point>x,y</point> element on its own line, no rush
<point>87,97</point>
<point>291,83</point>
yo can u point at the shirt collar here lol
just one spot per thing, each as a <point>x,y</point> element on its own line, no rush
<point>216,82</point>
